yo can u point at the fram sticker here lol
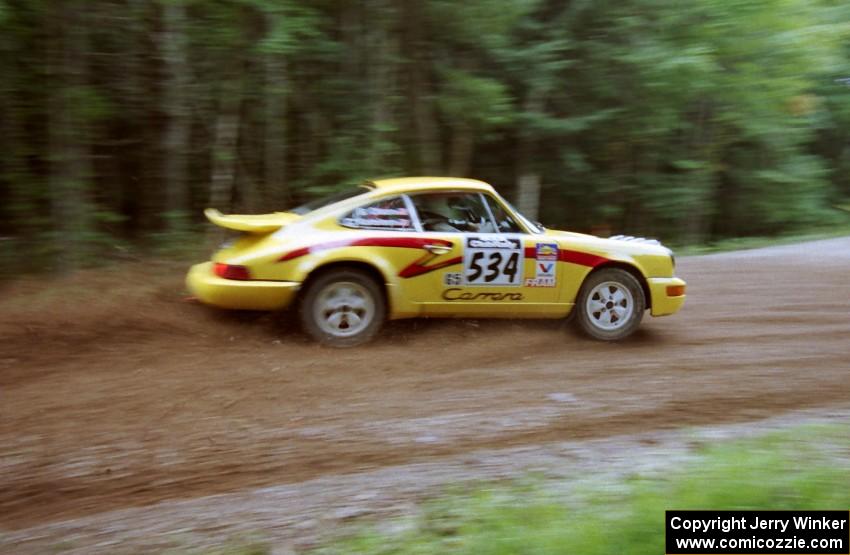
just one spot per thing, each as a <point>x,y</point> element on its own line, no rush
<point>540,282</point>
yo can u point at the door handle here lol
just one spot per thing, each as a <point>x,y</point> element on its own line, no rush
<point>438,249</point>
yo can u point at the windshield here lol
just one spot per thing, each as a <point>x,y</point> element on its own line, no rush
<point>533,226</point>
<point>321,202</point>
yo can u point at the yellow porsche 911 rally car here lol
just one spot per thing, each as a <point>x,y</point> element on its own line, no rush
<point>432,247</point>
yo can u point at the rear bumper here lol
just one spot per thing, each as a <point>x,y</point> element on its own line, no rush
<point>662,302</point>
<point>243,295</point>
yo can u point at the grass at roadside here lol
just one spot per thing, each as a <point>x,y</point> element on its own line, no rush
<point>806,468</point>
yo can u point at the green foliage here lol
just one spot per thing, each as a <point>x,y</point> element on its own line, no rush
<point>480,101</point>
<point>802,469</point>
<point>291,25</point>
<point>695,124</point>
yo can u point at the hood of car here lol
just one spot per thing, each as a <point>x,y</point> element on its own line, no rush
<point>251,223</point>
<point>617,243</point>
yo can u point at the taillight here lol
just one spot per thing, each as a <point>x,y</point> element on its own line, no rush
<point>231,271</point>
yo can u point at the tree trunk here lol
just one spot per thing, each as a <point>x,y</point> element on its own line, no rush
<point>381,89</point>
<point>528,179</point>
<point>224,152</point>
<point>463,142</point>
<point>224,145</point>
<point>528,195</point>
<point>10,203</point>
<point>276,187</point>
<point>697,223</point>
<point>310,141</point>
<point>175,104</point>
<point>68,134</point>
<point>141,194</point>
<point>419,93</point>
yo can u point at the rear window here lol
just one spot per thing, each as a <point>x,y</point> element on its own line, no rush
<point>385,214</point>
<point>329,199</point>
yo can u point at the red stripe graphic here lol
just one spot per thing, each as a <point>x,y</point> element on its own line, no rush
<point>417,268</point>
<point>581,258</point>
<point>297,253</point>
<point>573,257</point>
<point>403,242</point>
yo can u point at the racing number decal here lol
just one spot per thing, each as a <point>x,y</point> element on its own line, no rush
<point>493,260</point>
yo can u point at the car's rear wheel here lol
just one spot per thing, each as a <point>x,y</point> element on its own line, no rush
<point>610,304</point>
<point>342,308</point>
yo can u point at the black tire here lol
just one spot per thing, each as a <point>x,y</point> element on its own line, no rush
<point>610,304</point>
<point>342,308</point>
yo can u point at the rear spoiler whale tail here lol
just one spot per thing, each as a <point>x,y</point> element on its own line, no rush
<point>251,223</point>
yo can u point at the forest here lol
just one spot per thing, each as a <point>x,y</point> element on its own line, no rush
<point>121,120</point>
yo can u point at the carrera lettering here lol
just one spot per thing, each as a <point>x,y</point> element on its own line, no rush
<point>455,294</point>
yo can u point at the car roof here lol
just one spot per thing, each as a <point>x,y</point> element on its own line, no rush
<point>413,184</point>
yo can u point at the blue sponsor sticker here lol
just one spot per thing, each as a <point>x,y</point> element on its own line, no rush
<point>547,251</point>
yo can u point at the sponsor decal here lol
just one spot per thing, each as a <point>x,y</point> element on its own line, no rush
<point>375,211</point>
<point>493,260</point>
<point>492,243</point>
<point>456,294</point>
<point>382,223</point>
<point>545,269</point>
<point>453,278</point>
<point>545,266</point>
<point>377,217</point>
<point>572,257</point>
<point>546,251</point>
<point>545,275</point>
<point>540,282</point>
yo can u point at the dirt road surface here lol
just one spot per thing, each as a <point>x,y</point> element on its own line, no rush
<point>116,393</point>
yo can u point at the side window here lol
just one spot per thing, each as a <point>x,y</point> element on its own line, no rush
<point>386,214</point>
<point>453,212</point>
<point>504,222</point>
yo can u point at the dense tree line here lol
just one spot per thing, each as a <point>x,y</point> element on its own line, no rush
<point>121,119</point>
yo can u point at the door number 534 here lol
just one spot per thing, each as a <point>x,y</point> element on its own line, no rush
<point>493,267</point>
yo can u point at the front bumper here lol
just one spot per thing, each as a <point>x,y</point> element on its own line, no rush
<point>243,295</point>
<point>662,302</point>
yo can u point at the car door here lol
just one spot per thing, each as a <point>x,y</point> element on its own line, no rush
<point>487,264</point>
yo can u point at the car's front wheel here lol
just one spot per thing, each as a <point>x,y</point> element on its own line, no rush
<point>342,308</point>
<point>610,304</point>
